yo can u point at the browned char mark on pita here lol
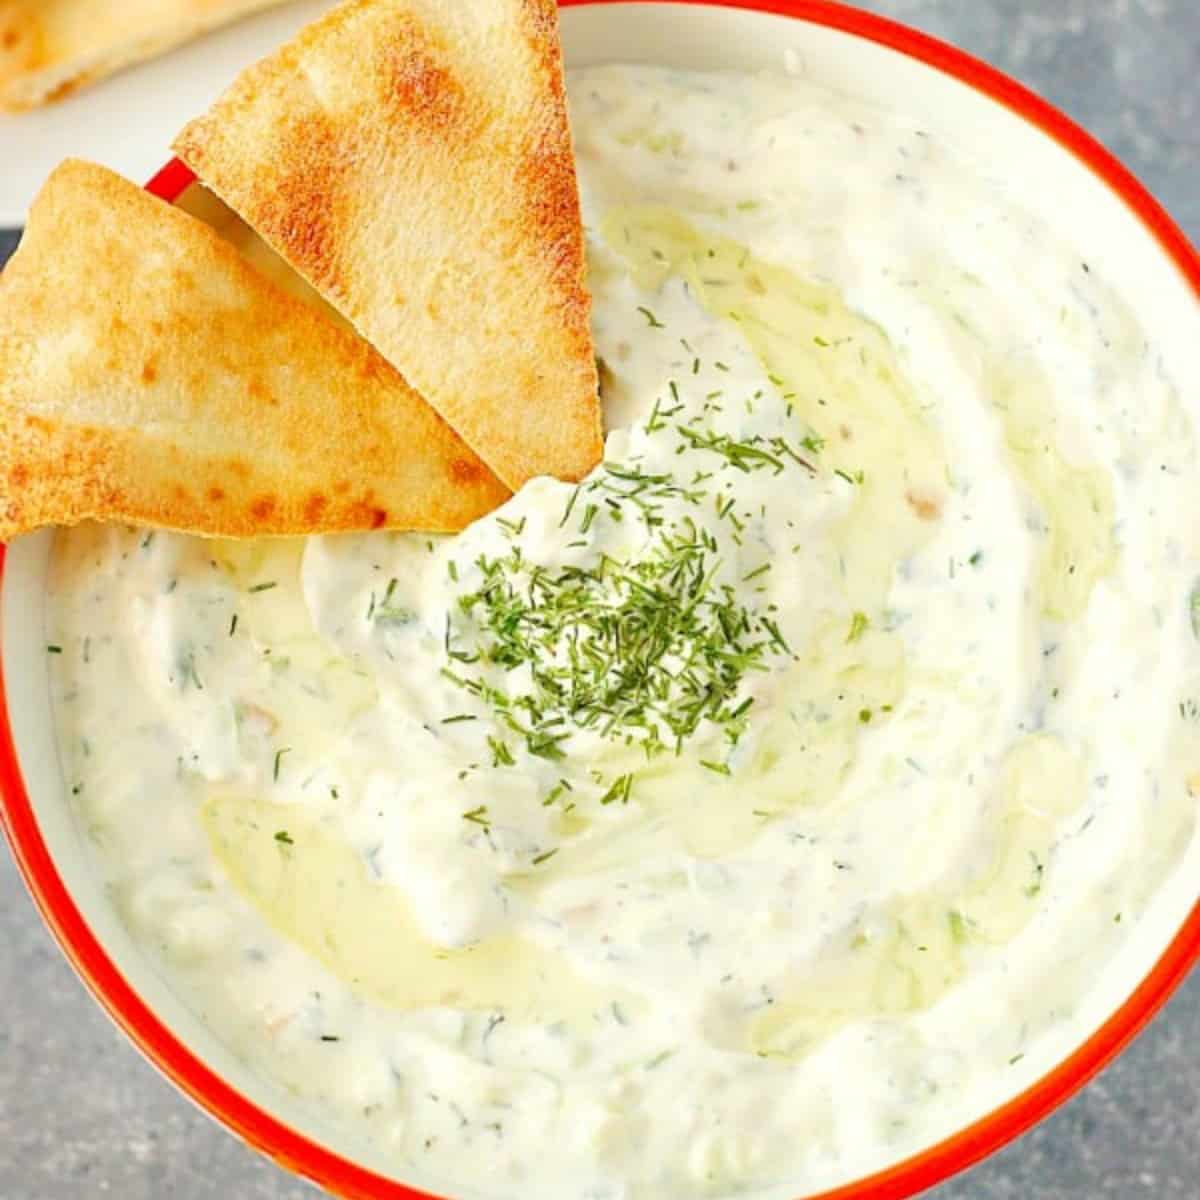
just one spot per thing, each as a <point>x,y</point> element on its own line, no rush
<point>301,207</point>
<point>417,80</point>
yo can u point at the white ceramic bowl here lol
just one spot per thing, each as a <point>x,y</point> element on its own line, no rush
<point>1087,198</point>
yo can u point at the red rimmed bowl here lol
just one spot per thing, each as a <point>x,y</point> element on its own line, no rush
<point>1062,174</point>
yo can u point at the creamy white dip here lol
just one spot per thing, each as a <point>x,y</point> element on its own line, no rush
<point>750,815</point>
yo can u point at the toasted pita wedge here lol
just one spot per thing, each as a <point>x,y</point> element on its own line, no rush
<point>411,158</point>
<point>50,48</point>
<point>148,374</point>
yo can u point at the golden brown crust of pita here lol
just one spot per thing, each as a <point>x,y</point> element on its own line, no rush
<point>50,48</point>
<point>412,159</point>
<point>149,375</point>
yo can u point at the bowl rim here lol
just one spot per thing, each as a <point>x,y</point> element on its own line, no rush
<point>306,1157</point>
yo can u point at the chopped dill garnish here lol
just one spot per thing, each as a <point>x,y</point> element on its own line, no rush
<point>284,837</point>
<point>776,637</point>
<point>558,790</point>
<point>1039,874</point>
<point>477,816</point>
<point>53,649</point>
<point>619,790</point>
<point>543,857</point>
<point>651,319</point>
<point>263,587</point>
<point>279,760</point>
<point>642,652</point>
<point>570,506</point>
<point>744,456</point>
<point>501,755</point>
<point>859,624</point>
<point>541,743</point>
<point>233,624</point>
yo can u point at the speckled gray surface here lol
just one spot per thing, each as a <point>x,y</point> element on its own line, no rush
<point>82,1115</point>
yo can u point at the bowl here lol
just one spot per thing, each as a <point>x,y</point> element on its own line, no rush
<point>1067,178</point>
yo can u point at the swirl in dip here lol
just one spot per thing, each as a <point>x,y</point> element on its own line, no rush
<point>749,815</point>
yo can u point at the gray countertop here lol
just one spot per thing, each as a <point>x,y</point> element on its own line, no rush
<point>82,1115</point>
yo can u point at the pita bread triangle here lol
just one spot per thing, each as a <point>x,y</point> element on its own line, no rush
<point>148,374</point>
<point>51,48</point>
<point>412,160</point>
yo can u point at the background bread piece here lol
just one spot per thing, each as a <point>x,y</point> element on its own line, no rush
<point>412,159</point>
<point>50,48</point>
<point>148,374</point>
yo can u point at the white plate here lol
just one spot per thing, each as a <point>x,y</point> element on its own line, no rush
<point>127,122</point>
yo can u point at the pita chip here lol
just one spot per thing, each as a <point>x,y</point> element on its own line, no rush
<point>148,374</point>
<point>50,48</point>
<point>412,159</point>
